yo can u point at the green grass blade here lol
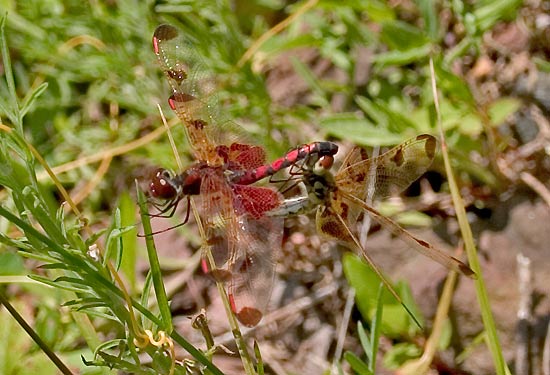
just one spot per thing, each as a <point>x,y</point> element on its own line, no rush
<point>156,272</point>
<point>375,330</point>
<point>471,252</point>
<point>41,344</point>
<point>8,72</point>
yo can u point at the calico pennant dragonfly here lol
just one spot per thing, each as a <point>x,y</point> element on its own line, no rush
<point>239,239</point>
<point>339,200</point>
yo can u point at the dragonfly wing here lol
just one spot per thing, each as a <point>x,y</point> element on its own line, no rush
<point>193,87</point>
<point>242,242</point>
<point>220,225</point>
<point>259,238</point>
<point>254,270</point>
<point>417,244</point>
<point>247,156</point>
<point>336,219</point>
<point>194,98</point>
<point>389,173</point>
<point>256,201</point>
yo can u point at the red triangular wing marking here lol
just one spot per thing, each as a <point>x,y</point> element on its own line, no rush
<point>256,201</point>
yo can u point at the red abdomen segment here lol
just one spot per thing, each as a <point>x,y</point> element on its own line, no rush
<point>315,150</point>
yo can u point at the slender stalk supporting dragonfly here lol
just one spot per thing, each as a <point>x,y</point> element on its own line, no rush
<point>239,239</point>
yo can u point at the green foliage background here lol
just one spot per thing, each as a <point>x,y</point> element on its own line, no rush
<point>103,82</point>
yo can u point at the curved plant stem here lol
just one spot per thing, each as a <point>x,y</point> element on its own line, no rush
<point>466,230</point>
<point>27,328</point>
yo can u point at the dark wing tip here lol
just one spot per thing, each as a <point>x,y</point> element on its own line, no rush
<point>165,32</point>
<point>249,316</point>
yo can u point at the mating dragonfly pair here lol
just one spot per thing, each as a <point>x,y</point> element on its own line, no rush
<point>243,224</point>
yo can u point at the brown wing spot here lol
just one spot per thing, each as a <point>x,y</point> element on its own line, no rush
<point>430,146</point>
<point>345,209</point>
<point>331,227</point>
<point>399,157</point>
<point>199,124</point>
<point>360,177</point>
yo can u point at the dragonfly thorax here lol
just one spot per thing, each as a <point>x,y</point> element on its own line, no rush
<point>319,185</point>
<point>190,179</point>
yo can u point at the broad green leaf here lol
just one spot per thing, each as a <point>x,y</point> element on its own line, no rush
<point>375,327</point>
<point>372,110</point>
<point>395,320</point>
<point>11,264</point>
<point>413,218</point>
<point>453,86</point>
<point>501,109</point>
<point>360,131</point>
<point>379,11</point>
<point>491,12</point>
<point>402,36</point>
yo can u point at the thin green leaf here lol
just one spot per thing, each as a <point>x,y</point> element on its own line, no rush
<point>307,75</point>
<point>45,280</point>
<point>466,231</point>
<point>258,355</point>
<point>429,12</point>
<point>8,73</point>
<point>376,327</point>
<point>129,239</point>
<point>29,101</point>
<point>146,291</point>
<point>365,341</point>
<point>357,364</point>
<point>403,57</point>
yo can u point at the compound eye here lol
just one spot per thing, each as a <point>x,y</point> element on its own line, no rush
<point>326,161</point>
<point>162,185</point>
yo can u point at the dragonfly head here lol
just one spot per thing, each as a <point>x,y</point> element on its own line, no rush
<point>164,185</point>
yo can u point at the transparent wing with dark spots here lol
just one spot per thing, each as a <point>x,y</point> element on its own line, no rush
<point>253,269</point>
<point>389,173</point>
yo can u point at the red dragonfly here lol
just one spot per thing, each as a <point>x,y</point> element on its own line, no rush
<point>339,200</point>
<point>239,239</point>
